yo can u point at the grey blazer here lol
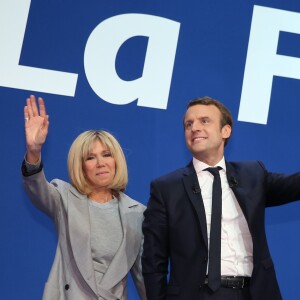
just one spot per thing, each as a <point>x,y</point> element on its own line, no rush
<point>72,275</point>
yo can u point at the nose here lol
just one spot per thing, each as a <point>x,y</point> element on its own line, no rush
<point>196,126</point>
<point>100,162</point>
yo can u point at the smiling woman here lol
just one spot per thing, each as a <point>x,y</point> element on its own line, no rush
<point>98,226</point>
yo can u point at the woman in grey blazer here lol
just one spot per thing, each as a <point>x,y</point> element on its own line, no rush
<point>98,226</point>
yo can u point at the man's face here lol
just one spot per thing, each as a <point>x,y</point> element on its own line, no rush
<point>203,133</point>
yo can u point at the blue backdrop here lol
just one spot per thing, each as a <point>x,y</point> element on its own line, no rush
<point>130,67</point>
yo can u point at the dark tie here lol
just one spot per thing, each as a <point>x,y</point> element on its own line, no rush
<point>214,266</point>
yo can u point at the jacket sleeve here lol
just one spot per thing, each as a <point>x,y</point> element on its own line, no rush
<point>43,195</point>
<point>137,276</point>
<point>156,250</point>
<point>282,189</point>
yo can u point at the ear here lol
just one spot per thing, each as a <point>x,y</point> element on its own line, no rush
<point>226,131</point>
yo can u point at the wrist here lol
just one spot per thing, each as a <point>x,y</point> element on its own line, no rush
<point>33,157</point>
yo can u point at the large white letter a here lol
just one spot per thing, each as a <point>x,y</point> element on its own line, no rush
<point>152,88</point>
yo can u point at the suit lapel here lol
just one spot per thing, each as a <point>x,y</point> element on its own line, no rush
<point>240,194</point>
<point>130,245</point>
<point>192,188</point>
<point>79,231</point>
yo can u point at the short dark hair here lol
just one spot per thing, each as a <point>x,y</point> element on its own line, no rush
<point>226,117</point>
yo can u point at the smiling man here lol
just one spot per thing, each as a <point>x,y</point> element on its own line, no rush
<point>204,225</point>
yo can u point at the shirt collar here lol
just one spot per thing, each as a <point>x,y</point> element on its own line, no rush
<point>200,166</point>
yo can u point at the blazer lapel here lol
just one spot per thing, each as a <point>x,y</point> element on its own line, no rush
<point>79,231</point>
<point>130,245</point>
<point>192,188</point>
<point>239,192</point>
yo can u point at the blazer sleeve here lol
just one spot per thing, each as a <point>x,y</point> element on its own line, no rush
<point>43,195</point>
<point>137,276</point>
<point>156,250</point>
<point>281,188</point>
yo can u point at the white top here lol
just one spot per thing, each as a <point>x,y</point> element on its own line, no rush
<point>236,241</point>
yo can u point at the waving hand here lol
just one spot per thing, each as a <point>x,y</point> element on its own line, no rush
<point>36,127</point>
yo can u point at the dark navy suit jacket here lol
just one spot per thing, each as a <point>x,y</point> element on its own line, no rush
<point>175,246</point>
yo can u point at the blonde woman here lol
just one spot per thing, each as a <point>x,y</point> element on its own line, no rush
<point>98,226</point>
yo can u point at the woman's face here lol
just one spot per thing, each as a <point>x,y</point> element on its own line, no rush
<point>99,167</point>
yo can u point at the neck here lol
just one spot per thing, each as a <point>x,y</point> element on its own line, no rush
<point>211,161</point>
<point>101,197</point>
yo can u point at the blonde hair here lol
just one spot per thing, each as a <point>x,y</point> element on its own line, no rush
<point>79,151</point>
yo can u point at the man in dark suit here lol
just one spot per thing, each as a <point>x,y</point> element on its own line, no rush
<point>178,221</point>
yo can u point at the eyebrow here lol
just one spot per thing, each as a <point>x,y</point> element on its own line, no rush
<point>103,151</point>
<point>199,118</point>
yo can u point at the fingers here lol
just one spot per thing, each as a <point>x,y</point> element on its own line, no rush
<point>34,107</point>
<point>46,123</point>
<point>42,107</point>
<point>26,117</point>
<point>32,110</point>
<point>29,106</point>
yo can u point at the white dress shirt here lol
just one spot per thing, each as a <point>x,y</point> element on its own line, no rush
<point>236,241</point>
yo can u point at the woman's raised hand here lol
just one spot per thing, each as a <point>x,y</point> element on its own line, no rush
<point>36,127</point>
